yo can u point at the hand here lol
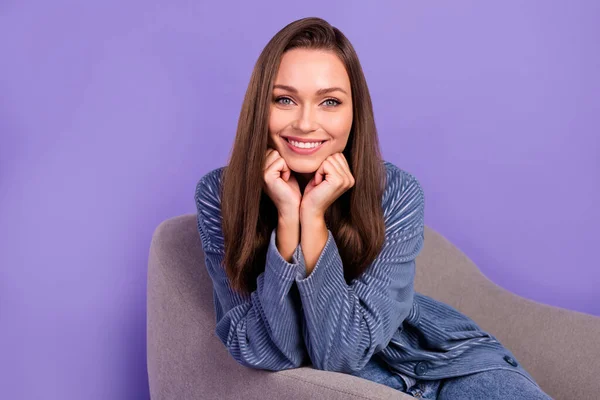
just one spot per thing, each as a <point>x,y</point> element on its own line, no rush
<point>281,185</point>
<point>331,180</point>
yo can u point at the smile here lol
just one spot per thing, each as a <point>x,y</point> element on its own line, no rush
<point>304,148</point>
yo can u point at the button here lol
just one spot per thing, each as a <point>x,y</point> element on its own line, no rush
<point>511,360</point>
<point>421,368</point>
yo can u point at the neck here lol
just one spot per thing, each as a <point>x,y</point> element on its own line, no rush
<point>303,179</point>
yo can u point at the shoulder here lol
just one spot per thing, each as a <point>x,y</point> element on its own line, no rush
<point>400,181</point>
<point>208,205</point>
<point>403,201</point>
<point>209,185</point>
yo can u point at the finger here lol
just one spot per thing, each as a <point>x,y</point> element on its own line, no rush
<point>325,171</point>
<point>268,158</point>
<point>285,175</point>
<point>341,162</point>
<point>340,176</point>
<point>273,170</point>
<point>281,167</point>
<point>271,159</point>
<point>318,178</point>
<point>344,164</point>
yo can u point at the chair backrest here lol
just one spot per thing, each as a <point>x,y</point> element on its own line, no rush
<point>444,272</point>
<point>184,356</point>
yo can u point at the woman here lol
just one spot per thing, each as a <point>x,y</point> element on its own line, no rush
<point>311,238</point>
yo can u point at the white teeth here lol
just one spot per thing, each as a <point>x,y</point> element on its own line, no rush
<point>304,145</point>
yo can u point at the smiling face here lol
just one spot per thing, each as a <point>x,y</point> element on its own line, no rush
<point>302,107</point>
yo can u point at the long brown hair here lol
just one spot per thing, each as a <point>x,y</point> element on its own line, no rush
<point>248,214</point>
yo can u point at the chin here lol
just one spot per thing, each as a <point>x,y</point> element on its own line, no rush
<point>307,166</point>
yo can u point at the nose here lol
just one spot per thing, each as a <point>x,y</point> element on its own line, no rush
<point>305,121</point>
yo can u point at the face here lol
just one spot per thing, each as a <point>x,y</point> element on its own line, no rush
<point>303,110</point>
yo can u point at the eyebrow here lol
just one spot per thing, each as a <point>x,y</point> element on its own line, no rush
<point>319,92</point>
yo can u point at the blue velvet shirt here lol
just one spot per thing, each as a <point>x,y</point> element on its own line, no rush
<point>337,326</point>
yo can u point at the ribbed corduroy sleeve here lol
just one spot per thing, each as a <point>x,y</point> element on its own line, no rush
<point>347,324</point>
<point>261,330</point>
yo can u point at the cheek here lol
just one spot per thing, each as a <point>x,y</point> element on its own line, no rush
<point>277,121</point>
<point>339,126</point>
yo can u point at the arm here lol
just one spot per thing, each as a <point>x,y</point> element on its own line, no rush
<point>260,330</point>
<point>347,324</point>
<point>313,240</point>
<point>288,236</point>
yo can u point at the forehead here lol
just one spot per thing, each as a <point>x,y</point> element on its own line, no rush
<point>312,69</point>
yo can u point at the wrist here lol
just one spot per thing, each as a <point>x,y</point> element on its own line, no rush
<point>315,221</point>
<point>287,237</point>
<point>308,215</point>
<point>288,219</point>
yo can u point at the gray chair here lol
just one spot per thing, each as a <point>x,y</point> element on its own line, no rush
<point>186,360</point>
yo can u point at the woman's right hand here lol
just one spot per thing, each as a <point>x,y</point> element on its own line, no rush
<point>281,185</point>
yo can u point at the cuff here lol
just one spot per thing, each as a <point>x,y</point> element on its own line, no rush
<point>328,269</point>
<point>279,265</point>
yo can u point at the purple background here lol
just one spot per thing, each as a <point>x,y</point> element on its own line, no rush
<point>111,112</point>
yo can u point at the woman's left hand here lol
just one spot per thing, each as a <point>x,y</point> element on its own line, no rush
<point>331,180</point>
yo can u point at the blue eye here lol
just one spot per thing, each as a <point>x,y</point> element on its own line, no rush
<point>337,103</point>
<point>283,98</point>
<point>280,99</point>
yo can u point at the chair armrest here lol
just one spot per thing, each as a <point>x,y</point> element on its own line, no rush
<point>560,348</point>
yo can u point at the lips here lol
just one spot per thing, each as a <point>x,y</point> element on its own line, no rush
<point>295,142</point>
<point>304,151</point>
<point>303,140</point>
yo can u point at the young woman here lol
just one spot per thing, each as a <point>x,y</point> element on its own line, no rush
<point>311,238</point>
